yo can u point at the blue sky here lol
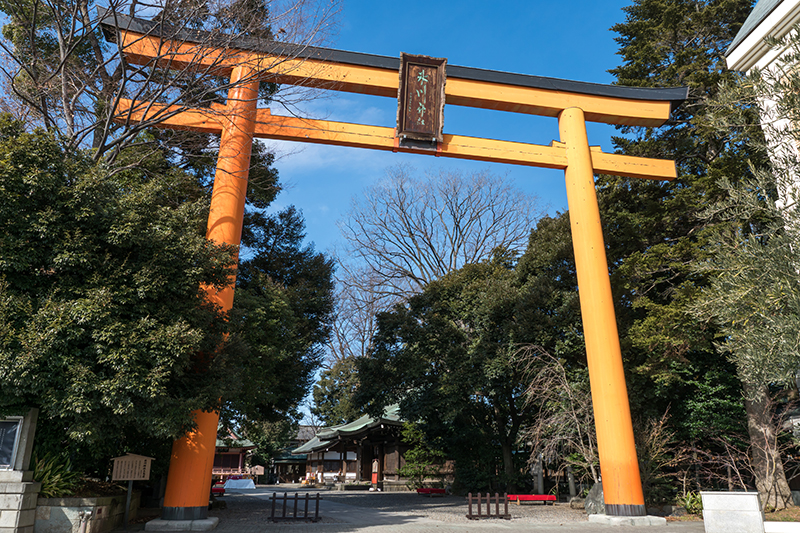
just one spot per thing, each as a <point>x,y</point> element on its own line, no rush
<point>568,39</point>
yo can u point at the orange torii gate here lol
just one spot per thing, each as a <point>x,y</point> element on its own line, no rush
<point>419,84</point>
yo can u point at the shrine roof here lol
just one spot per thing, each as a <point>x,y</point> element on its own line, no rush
<point>310,446</point>
<point>328,436</point>
<point>287,457</point>
<point>230,439</point>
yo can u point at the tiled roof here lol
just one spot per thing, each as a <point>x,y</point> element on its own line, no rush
<point>326,436</point>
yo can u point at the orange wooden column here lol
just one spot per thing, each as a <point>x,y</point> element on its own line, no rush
<point>189,478</point>
<point>622,486</point>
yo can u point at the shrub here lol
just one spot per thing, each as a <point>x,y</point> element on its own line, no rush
<point>692,502</point>
<point>56,476</point>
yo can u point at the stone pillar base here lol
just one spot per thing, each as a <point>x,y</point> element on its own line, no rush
<point>627,520</point>
<point>18,495</point>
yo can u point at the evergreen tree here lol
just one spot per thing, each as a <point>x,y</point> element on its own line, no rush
<point>103,315</point>
<point>282,312</point>
<point>334,393</point>
<point>652,229</point>
<point>100,299</point>
<point>753,296</point>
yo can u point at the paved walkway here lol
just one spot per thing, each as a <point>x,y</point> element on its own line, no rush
<point>248,511</point>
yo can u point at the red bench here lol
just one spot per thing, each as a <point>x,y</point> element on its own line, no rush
<point>544,498</point>
<point>431,492</point>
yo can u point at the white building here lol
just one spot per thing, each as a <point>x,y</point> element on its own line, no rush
<point>769,18</point>
<point>750,51</point>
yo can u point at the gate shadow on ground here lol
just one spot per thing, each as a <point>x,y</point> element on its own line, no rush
<point>343,512</point>
<point>256,506</point>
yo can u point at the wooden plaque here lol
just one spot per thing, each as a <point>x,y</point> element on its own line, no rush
<point>131,468</point>
<point>420,98</point>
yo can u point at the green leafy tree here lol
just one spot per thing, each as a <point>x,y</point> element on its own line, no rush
<point>282,312</point>
<point>100,298</point>
<point>406,232</point>
<point>334,393</point>
<point>653,229</point>
<point>423,461</point>
<point>664,250</point>
<point>60,72</point>
<point>270,439</point>
<point>449,363</point>
<point>754,300</point>
<point>451,356</point>
<point>753,296</point>
<point>103,312</point>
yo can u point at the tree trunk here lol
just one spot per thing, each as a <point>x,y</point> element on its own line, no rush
<point>766,459</point>
<point>508,464</point>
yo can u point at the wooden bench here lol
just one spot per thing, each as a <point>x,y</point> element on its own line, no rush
<point>431,492</point>
<point>544,498</point>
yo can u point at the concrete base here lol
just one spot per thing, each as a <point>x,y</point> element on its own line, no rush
<point>627,520</point>
<point>16,476</point>
<point>63,515</point>
<point>781,527</point>
<point>206,524</point>
<point>724,512</point>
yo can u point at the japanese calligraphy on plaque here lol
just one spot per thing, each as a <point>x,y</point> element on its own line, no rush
<point>131,468</point>
<point>420,109</point>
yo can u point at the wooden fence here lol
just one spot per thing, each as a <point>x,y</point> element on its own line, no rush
<point>487,499</point>
<point>292,514</point>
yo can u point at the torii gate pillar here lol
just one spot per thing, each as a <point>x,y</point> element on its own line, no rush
<point>192,460</point>
<point>612,416</point>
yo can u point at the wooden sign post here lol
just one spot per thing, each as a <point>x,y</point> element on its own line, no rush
<point>130,468</point>
<point>422,93</point>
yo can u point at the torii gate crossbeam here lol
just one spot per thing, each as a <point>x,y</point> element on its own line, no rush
<point>248,63</point>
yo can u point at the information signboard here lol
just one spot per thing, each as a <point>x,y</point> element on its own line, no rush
<point>131,468</point>
<point>9,441</point>
<point>420,98</point>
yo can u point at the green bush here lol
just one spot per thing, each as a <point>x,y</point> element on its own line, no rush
<point>56,476</point>
<point>692,502</point>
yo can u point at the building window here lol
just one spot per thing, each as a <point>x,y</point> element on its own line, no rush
<point>332,466</point>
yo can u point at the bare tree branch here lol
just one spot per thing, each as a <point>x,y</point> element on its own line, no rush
<point>563,421</point>
<point>406,232</point>
<point>66,76</point>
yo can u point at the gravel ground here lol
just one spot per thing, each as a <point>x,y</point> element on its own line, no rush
<point>444,509</point>
<point>452,508</point>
